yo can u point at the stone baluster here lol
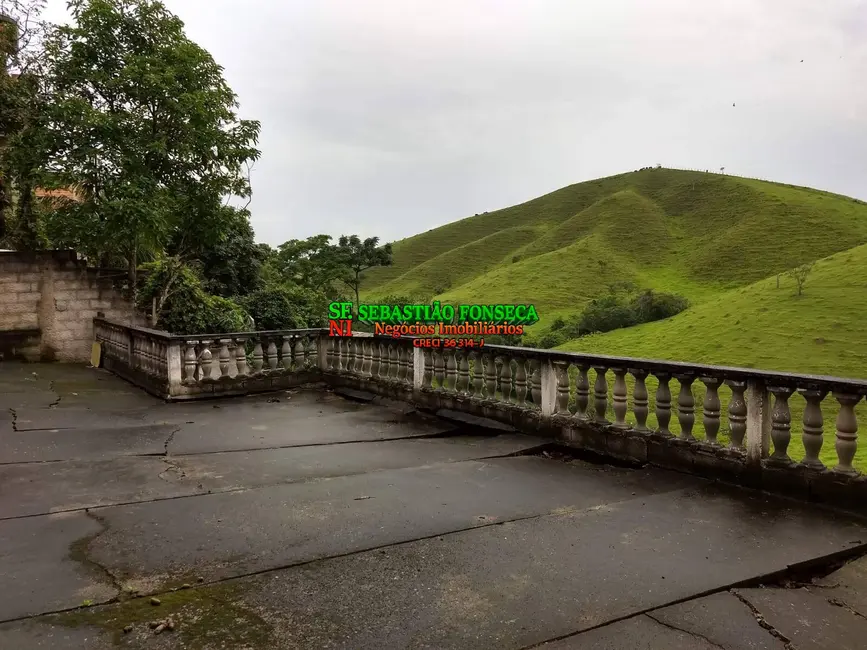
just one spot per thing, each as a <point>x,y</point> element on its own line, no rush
<point>582,394</point>
<point>813,427</point>
<point>663,403</point>
<point>375,359</point>
<point>463,374</point>
<point>225,358</point>
<point>640,399</point>
<point>427,375</point>
<point>478,376</point>
<point>206,360</point>
<point>401,362</point>
<point>521,386</point>
<point>686,406</point>
<point>621,405</point>
<point>393,362</point>
<point>190,362</point>
<point>299,356</point>
<point>490,377</point>
<point>286,353</point>
<point>711,409</point>
<point>781,423</point>
<point>367,347</point>
<point>241,356</point>
<point>409,366</point>
<point>439,368</point>
<point>258,357</point>
<point>272,355</point>
<point>451,370</point>
<point>561,372</point>
<point>536,383</point>
<point>350,356</point>
<point>600,394</point>
<point>506,379</point>
<point>737,414</point>
<point>847,432</point>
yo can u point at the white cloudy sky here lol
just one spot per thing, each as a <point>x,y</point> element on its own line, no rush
<point>390,117</point>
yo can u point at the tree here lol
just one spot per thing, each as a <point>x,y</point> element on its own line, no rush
<point>799,274</point>
<point>142,123</point>
<point>21,101</point>
<point>358,256</point>
<point>314,263</point>
<point>232,265</point>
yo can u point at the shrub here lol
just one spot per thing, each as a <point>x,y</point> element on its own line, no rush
<point>650,306</point>
<point>606,314</point>
<point>281,307</point>
<point>183,306</point>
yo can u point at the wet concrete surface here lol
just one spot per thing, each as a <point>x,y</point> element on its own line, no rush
<point>305,519</point>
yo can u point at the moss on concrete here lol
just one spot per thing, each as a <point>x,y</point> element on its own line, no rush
<point>213,616</point>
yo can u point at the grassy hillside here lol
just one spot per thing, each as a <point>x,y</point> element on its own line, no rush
<point>762,326</point>
<point>684,232</point>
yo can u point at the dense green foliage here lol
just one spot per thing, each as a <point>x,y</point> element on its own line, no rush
<point>286,307</point>
<point>183,306</point>
<point>611,312</point>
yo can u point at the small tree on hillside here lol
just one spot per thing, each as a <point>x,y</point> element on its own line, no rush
<point>359,256</point>
<point>799,274</point>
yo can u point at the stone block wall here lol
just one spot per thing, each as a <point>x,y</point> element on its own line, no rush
<point>48,301</point>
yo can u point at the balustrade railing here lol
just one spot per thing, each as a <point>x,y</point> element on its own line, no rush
<point>749,416</point>
<point>743,413</point>
<point>175,366</point>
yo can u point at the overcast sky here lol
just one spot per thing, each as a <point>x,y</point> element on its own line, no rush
<point>391,117</point>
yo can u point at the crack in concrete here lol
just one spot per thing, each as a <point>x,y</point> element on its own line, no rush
<point>843,604</point>
<point>169,440</point>
<point>14,419</point>
<point>680,629</point>
<point>59,397</point>
<point>172,467</point>
<point>763,623</point>
<point>78,552</point>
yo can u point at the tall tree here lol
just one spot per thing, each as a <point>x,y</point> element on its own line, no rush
<point>143,124</point>
<point>314,263</point>
<point>358,256</point>
<point>21,39</point>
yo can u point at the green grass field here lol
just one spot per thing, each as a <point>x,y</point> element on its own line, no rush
<point>720,241</point>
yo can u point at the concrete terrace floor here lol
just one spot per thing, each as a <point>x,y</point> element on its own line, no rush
<point>304,519</point>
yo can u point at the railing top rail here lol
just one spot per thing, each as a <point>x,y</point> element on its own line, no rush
<point>672,368</point>
<point>208,337</point>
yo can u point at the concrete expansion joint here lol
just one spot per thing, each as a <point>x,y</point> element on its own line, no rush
<point>680,629</point>
<point>763,623</point>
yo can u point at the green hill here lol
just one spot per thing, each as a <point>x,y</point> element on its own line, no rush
<point>692,233</point>
<point>721,241</point>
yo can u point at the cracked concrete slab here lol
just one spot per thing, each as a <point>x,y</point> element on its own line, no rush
<point>721,619</point>
<point>638,633</point>
<point>37,488</point>
<point>41,565</point>
<point>84,444</point>
<point>807,619</point>
<point>847,585</point>
<point>228,534</point>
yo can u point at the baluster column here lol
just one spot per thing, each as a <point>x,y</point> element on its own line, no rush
<point>600,395</point>
<point>189,362</point>
<point>272,355</point>
<point>640,399</point>
<point>258,357</point>
<point>847,432</point>
<point>737,414</point>
<point>686,407</point>
<point>536,383</point>
<point>521,386</point>
<point>490,377</point>
<point>561,372</point>
<point>464,374</point>
<point>711,409</point>
<point>663,403</point>
<point>225,358</point>
<point>206,360</point>
<point>506,379</point>
<point>478,376</point>
<point>582,394</point>
<point>241,356</point>
<point>621,406</point>
<point>813,424</point>
<point>781,423</point>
